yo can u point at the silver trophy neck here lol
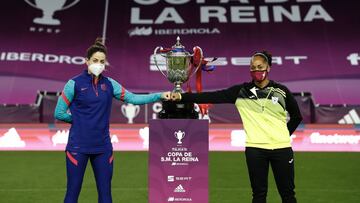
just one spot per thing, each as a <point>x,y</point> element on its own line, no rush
<point>178,88</point>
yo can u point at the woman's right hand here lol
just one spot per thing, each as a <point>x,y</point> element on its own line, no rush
<point>175,96</point>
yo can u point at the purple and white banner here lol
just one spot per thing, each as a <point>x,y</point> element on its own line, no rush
<point>178,160</point>
<point>135,137</point>
<point>315,43</point>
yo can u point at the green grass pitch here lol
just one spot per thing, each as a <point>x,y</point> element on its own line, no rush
<point>40,177</point>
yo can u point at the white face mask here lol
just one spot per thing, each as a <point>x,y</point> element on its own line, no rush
<point>96,68</point>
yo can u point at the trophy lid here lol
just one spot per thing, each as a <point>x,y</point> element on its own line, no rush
<point>178,45</point>
<point>178,48</point>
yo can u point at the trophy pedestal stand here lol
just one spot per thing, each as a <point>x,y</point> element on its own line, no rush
<point>178,161</point>
<point>177,110</point>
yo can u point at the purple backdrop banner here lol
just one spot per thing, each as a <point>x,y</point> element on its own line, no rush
<point>178,160</point>
<point>315,45</point>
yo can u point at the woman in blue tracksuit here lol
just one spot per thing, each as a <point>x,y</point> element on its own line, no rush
<point>88,96</point>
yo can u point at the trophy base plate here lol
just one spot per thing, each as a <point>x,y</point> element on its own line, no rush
<point>178,110</point>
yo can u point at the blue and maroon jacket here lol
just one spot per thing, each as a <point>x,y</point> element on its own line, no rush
<point>89,103</point>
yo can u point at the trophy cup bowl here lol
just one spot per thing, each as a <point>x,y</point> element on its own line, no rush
<point>178,70</point>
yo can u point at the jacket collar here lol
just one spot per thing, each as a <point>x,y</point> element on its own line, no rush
<point>270,84</point>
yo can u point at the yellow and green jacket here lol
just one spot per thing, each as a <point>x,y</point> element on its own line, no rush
<point>262,110</point>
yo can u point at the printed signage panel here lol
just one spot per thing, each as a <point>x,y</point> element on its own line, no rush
<point>178,161</point>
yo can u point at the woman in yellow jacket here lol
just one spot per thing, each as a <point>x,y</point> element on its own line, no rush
<point>263,106</point>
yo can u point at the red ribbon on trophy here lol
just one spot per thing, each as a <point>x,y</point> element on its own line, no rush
<point>198,59</point>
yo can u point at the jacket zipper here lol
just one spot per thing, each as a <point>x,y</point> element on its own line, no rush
<point>94,84</point>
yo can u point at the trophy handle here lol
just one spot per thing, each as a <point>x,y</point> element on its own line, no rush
<point>156,64</point>
<point>70,5</point>
<point>123,107</point>
<point>137,110</point>
<point>31,4</point>
<point>201,58</point>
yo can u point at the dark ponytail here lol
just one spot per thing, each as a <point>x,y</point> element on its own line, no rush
<point>98,46</point>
